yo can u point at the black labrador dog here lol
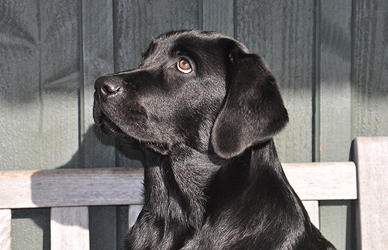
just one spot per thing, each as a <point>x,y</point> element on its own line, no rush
<point>204,110</point>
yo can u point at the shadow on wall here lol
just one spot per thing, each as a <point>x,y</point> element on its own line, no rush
<point>75,187</point>
<point>108,224</point>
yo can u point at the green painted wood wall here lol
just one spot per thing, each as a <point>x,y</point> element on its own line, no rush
<point>330,57</point>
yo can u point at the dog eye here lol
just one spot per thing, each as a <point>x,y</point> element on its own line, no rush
<point>184,66</point>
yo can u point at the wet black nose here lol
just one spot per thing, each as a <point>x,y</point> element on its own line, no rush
<point>107,86</point>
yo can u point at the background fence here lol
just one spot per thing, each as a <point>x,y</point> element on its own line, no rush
<point>330,58</point>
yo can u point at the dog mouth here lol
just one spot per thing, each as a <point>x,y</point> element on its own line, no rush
<point>107,126</point>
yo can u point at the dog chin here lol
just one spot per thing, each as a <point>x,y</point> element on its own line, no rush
<point>108,127</point>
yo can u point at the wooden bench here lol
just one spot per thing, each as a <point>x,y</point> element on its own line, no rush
<point>69,192</point>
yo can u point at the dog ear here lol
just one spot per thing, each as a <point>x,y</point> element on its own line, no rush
<point>253,111</point>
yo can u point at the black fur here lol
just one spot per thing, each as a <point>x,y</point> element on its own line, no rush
<point>212,175</point>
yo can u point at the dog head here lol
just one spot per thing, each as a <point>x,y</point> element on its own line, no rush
<point>202,89</point>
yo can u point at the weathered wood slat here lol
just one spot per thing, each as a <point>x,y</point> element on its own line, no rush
<point>70,187</point>
<point>5,229</point>
<point>312,208</point>
<point>69,228</point>
<point>371,157</point>
<point>120,186</point>
<point>323,181</point>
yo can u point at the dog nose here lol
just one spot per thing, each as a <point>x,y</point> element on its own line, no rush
<point>107,86</point>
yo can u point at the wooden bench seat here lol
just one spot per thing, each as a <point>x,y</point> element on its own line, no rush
<point>69,193</point>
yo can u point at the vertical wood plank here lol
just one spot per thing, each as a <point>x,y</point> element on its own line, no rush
<point>39,83</point>
<point>69,228</point>
<point>218,16</point>
<point>97,60</point>
<point>59,80</point>
<point>372,218</point>
<point>334,104</point>
<point>19,85</point>
<point>312,208</point>
<point>282,32</point>
<point>5,229</point>
<point>370,68</point>
<point>97,149</point>
<point>133,213</point>
<point>335,87</point>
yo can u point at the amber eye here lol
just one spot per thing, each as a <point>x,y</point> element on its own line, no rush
<point>184,66</point>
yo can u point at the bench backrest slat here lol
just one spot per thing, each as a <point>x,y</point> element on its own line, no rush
<point>70,187</point>
<point>123,186</point>
<point>5,228</point>
<point>69,228</point>
<point>323,180</point>
<point>371,157</point>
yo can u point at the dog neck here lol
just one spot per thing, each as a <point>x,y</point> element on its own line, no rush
<point>183,188</point>
<point>175,185</point>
